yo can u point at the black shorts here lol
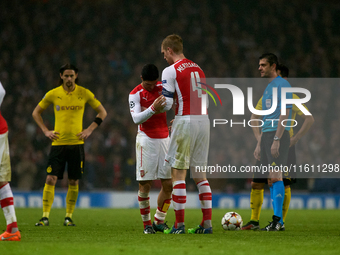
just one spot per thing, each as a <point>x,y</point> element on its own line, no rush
<point>266,157</point>
<point>73,155</point>
<point>287,178</point>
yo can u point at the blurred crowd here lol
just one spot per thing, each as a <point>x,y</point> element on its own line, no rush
<point>110,41</point>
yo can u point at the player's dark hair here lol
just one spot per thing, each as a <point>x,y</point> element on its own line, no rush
<point>271,58</point>
<point>150,72</point>
<point>284,70</point>
<point>67,66</point>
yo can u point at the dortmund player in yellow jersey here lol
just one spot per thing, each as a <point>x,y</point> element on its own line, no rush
<point>256,195</point>
<point>68,137</point>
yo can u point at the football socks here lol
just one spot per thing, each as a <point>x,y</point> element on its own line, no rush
<point>286,203</point>
<point>179,197</point>
<point>161,212</point>
<point>206,203</point>
<point>256,200</point>
<point>278,193</point>
<point>144,208</point>
<point>7,205</point>
<point>48,197</point>
<point>71,199</point>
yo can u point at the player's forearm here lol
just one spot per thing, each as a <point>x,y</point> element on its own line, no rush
<point>280,128</point>
<point>101,112</point>
<point>2,93</point>
<point>255,127</point>
<point>309,120</point>
<point>141,117</point>
<point>38,119</point>
<point>99,118</point>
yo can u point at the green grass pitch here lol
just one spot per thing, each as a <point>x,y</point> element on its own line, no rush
<point>119,231</point>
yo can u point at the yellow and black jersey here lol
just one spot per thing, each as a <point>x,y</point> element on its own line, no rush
<point>69,110</point>
<point>295,110</point>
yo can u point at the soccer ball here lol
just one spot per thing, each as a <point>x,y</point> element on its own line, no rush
<point>232,221</point>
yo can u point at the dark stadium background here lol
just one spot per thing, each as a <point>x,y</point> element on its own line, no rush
<point>110,41</point>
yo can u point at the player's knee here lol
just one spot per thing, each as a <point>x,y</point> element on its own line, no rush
<point>256,185</point>
<point>178,174</point>
<point>51,180</point>
<point>167,186</point>
<point>145,186</point>
<point>276,180</point>
<point>73,182</point>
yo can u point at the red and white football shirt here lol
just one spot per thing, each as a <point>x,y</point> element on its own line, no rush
<point>3,123</point>
<point>153,125</point>
<point>182,77</point>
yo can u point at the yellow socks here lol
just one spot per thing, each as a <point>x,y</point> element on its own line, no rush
<point>48,197</point>
<point>256,200</point>
<point>71,199</point>
<point>286,203</point>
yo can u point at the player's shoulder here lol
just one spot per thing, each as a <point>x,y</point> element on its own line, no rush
<point>81,88</point>
<point>139,88</point>
<point>295,96</point>
<point>282,82</point>
<point>54,91</point>
<point>169,69</point>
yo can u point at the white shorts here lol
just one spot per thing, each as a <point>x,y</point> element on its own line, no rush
<point>5,162</point>
<point>189,142</point>
<point>150,155</point>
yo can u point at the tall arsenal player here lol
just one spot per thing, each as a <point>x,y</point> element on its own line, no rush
<point>146,102</point>
<point>6,196</point>
<point>189,144</point>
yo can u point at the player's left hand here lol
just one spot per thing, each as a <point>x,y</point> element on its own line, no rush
<point>84,134</point>
<point>270,183</point>
<point>275,149</point>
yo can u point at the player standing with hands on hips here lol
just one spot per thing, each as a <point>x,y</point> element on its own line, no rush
<point>68,137</point>
<point>190,134</point>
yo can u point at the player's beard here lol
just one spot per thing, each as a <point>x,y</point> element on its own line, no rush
<point>69,84</point>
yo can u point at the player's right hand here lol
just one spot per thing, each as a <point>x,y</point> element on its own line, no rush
<point>170,127</point>
<point>159,103</point>
<point>51,134</point>
<point>257,153</point>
